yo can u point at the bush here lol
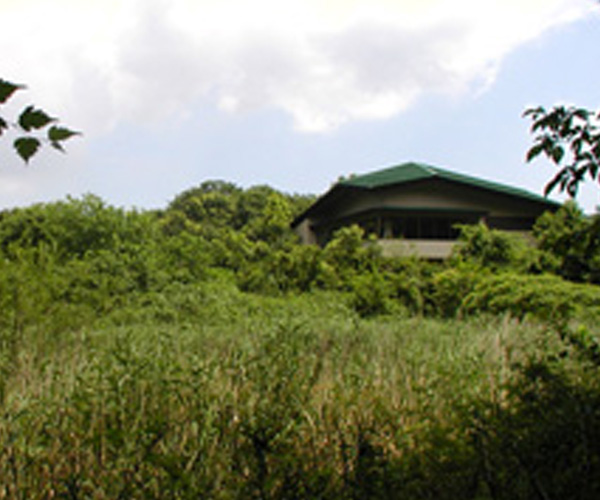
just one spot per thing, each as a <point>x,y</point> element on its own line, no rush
<point>543,440</point>
<point>570,242</point>
<point>371,294</point>
<point>493,249</point>
<point>546,297</point>
<point>410,279</point>
<point>346,256</point>
<point>452,285</point>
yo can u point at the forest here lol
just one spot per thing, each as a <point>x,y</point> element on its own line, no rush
<point>199,351</point>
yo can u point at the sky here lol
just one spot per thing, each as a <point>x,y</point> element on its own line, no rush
<point>289,93</point>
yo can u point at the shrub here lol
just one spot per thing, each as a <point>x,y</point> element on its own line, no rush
<point>452,285</point>
<point>542,441</point>
<point>371,294</point>
<point>493,249</point>
<point>546,297</point>
<point>571,242</point>
<point>346,256</point>
<point>410,279</point>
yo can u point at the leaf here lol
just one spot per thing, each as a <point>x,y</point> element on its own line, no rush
<point>584,114</point>
<point>576,146</point>
<point>57,134</point>
<point>558,178</point>
<point>534,152</point>
<point>32,118</point>
<point>572,189</point>
<point>58,146</point>
<point>27,147</point>
<point>534,112</point>
<point>557,154</point>
<point>3,125</point>
<point>7,89</point>
<point>590,168</point>
<point>566,128</point>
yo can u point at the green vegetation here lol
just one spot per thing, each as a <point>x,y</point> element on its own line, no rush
<point>569,137</point>
<point>29,125</point>
<point>201,352</point>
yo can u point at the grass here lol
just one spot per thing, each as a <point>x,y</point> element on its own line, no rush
<point>205,392</point>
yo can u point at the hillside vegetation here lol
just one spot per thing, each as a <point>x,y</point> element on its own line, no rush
<point>200,352</point>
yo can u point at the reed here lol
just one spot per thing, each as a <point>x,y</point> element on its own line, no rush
<point>239,396</point>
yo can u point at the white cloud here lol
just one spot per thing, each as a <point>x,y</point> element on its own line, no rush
<point>326,63</point>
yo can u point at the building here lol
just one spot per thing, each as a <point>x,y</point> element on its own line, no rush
<point>414,209</point>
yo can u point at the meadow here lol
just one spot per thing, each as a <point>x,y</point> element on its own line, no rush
<point>159,356</point>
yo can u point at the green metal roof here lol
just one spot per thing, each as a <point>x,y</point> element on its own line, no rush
<point>413,172</point>
<point>409,172</point>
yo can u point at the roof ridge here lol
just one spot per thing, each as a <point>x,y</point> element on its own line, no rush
<point>412,171</point>
<point>429,168</point>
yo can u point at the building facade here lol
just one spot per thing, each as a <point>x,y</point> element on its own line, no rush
<point>415,209</point>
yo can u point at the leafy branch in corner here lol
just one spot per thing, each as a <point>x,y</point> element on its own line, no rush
<point>570,138</point>
<point>31,124</point>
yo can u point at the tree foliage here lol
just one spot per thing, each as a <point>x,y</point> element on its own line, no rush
<point>570,138</point>
<point>570,243</point>
<point>33,126</point>
<point>492,248</point>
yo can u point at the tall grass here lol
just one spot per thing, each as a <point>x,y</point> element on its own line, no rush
<point>204,392</point>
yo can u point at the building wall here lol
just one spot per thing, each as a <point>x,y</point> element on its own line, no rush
<point>437,194</point>
<point>307,235</point>
<point>499,210</point>
<point>427,249</point>
<point>431,249</point>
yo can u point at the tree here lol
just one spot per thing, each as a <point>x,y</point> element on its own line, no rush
<point>570,243</point>
<point>492,248</point>
<point>570,138</point>
<point>30,123</point>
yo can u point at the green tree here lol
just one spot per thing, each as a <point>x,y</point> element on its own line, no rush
<point>272,223</point>
<point>570,243</point>
<point>492,248</point>
<point>346,256</point>
<point>30,124</point>
<point>570,138</point>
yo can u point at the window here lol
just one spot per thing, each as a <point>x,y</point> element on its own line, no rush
<point>511,223</point>
<point>428,227</point>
